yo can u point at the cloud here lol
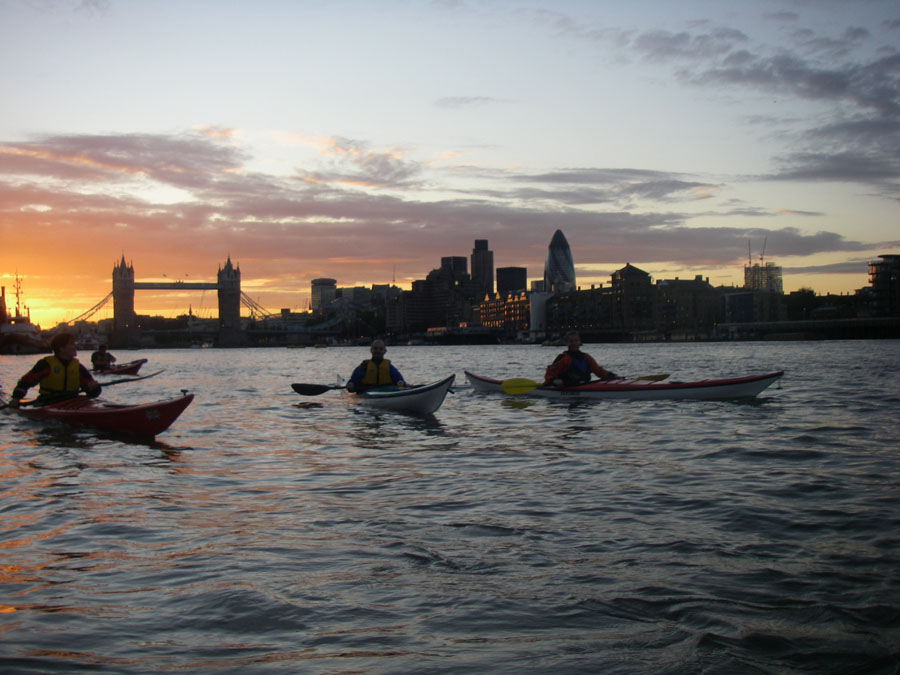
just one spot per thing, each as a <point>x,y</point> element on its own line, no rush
<point>355,163</point>
<point>854,139</point>
<point>304,224</point>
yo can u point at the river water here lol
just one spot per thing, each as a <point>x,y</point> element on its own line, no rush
<point>268,532</point>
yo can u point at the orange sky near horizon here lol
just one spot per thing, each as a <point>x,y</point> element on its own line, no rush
<point>58,291</point>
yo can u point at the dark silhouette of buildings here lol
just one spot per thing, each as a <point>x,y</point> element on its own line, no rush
<point>451,305</point>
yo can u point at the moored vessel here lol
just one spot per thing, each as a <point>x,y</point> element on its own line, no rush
<point>17,334</point>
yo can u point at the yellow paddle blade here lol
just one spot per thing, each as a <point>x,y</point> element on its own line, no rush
<point>653,378</point>
<point>518,385</point>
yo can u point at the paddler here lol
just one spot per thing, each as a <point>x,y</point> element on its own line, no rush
<point>375,372</point>
<point>102,359</point>
<point>574,367</point>
<point>58,374</point>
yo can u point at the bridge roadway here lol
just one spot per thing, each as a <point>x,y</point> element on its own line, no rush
<point>175,285</point>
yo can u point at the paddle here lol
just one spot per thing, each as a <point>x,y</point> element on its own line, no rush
<point>131,379</point>
<point>47,400</point>
<point>314,389</point>
<point>522,385</point>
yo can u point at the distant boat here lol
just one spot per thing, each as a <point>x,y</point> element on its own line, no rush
<point>17,334</point>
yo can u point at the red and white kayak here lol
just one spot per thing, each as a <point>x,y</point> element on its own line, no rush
<point>130,368</point>
<point>643,390</point>
<point>145,419</point>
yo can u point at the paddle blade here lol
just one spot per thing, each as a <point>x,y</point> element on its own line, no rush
<point>518,385</point>
<point>311,389</point>
<point>131,379</point>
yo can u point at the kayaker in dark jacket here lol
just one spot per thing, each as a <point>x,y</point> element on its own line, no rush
<point>573,366</point>
<point>374,372</point>
<point>59,373</point>
<point>102,359</point>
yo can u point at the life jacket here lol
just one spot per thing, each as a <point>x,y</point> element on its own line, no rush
<point>579,370</point>
<point>62,377</point>
<point>101,360</point>
<point>376,374</point>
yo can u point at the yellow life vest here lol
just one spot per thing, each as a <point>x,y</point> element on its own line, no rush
<point>377,374</point>
<point>61,378</point>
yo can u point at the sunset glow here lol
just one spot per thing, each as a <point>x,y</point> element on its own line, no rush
<point>679,137</point>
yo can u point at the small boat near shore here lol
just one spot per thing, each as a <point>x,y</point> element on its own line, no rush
<point>643,390</point>
<point>17,334</point>
<point>418,400</point>
<point>146,419</point>
<point>130,368</point>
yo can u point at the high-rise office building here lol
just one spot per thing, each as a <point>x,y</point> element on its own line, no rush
<point>483,266</point>
<point>457,265</point>
<point>559,269</point>
<point>323,292</point>
<point>511,279</point>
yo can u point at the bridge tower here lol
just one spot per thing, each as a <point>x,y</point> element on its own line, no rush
<point>229,286</point>
<point>124,324</point>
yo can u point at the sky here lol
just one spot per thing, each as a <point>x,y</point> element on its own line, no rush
<point>364,140</point>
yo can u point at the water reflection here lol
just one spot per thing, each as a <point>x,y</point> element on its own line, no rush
<point>372,425</point>
<point>495,535</point>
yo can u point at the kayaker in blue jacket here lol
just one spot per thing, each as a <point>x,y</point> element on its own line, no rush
<point>573,366</point>
<point>375,372</point>
<point>57,374</point>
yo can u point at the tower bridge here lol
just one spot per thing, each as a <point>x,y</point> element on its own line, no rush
<point>228,285</point>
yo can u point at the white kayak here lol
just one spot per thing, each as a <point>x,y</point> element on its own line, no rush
<point>420,400</point>
<point>643,390</point>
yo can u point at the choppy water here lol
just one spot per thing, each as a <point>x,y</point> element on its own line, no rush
<point>268,532</point>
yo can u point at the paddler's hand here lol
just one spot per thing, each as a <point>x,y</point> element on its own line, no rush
<point>17,394</point>
<point>93,389</point>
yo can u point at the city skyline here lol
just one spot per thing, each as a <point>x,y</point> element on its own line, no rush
<point>363,142</point>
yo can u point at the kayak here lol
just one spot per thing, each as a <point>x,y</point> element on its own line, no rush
<point>643,390</point>
<point>419,400</point>
<point>145,419</point>
<point>130,368</point>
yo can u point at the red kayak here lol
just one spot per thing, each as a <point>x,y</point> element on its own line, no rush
<point>145,419</point>
<point>130,368</point>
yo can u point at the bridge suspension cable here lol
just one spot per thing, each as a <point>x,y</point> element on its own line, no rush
<point>84,316</point>
<point>254,307</point>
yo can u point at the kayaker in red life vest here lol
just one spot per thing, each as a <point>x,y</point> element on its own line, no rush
<point>374,372</point>
<point>102,359</point>
<point>573,366</point>
<point>59,373</point>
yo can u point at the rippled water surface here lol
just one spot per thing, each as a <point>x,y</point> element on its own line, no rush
<point>268,532</point>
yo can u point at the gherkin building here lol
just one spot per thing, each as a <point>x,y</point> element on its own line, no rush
<point>559,269</point>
